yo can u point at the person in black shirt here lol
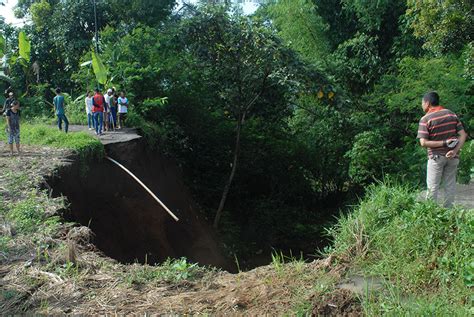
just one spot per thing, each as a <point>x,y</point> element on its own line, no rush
<point>13,126</point>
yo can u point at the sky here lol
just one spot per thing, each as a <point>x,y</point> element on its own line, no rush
<point>7,10</point>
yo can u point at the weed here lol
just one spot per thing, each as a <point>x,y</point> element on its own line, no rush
<point>278,260</point>
<point>237,263</point>
<point>4,241</point>
<point>7,294</point>
<point>302,309</point>
<point>67,270</point>
<point>27,214</point>
<point>172,270</point>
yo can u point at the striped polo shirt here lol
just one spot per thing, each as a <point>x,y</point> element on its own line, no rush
<point>439,124</point>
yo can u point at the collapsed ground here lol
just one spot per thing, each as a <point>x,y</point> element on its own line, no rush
<point>52,267</point>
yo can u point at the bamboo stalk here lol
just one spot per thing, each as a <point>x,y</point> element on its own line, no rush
<point>144,186</point>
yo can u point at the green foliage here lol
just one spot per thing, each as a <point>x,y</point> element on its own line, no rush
<point>27,215</point>
<point>321,131</point>
<point>446,26</point>
<point>67,270</point>
<point>75,109</point>
<point>172,271</point>
<point>358,62</point>
<point>2,46</point>
<point>99,69</point>
<point>4,245</point>
<point>422,250</point>
<point>370,13</point>
<point>301,27</point>
<point>367,157</point>
<point>24,46</point>
<point>148,12</point>
<point>40,14</point>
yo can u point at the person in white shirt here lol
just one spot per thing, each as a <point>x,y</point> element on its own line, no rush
<point>90,120</point>
<point>122,109</point>
<point>108,101</point>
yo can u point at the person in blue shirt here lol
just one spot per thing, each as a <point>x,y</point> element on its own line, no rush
<point>58,102</point>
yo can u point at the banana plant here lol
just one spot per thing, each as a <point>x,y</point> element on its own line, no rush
<point>100,70</point>
<point>3,60</point>
<point>2,47</point>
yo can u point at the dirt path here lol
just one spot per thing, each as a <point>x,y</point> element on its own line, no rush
<point>464,195</point>
<point>117,136</point>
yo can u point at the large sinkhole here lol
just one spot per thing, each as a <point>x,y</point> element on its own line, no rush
<point>129,225</point>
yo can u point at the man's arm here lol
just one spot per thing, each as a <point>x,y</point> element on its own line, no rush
<point>430,144</point>
<point>8,122</point>
<point>462,139</point>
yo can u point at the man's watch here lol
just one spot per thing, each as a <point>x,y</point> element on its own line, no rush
<point>452,144</point>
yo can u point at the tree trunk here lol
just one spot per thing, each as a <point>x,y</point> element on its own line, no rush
<point>231,176</point>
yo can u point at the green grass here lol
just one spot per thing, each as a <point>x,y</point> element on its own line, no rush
<point>172,270</point>
<point>422,250</point>
<point>41,134</point>
<point>28,216</point>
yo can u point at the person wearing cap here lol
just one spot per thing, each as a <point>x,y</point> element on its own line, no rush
<point>441,132</point>
<point>108,102</point>
<point>8,102</point>
<point>13,126</point>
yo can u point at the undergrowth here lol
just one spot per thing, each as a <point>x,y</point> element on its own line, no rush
<point>423,252</point>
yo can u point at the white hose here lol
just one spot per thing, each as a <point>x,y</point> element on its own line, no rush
<point>143,185</point>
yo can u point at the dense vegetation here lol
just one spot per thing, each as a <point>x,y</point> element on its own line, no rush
<point>273,117</point>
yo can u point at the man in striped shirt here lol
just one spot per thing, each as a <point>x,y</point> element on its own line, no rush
<point>441,132</point>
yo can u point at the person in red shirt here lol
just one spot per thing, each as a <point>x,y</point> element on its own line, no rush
<point>98,103</point>
<point>441,132</point>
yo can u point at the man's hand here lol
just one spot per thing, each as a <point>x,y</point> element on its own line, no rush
<point>451,154</point>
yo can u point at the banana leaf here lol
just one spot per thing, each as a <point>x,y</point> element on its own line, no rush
<point>99,69</point>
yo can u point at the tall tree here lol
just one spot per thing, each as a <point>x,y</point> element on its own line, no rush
<point>243,60</point>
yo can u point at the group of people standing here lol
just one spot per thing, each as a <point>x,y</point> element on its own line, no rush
<point>106,112</point>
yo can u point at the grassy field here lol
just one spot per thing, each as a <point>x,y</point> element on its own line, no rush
<point>41,134</point>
